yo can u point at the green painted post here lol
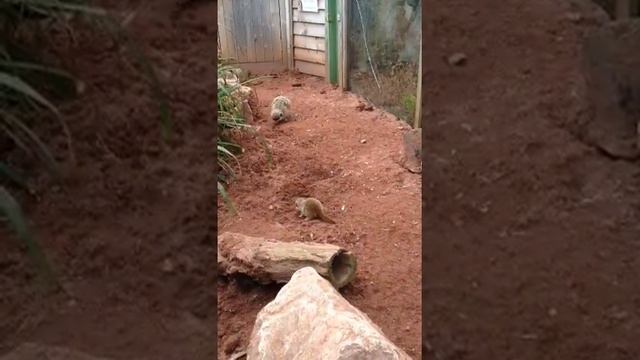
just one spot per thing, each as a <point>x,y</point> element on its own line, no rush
<point>332,22</point>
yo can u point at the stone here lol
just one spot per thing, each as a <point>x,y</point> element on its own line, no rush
<point>246,97</point>
<point>309,319</point>
<point>457,59</point>
<point>167,266</point>
<point>245,93</point>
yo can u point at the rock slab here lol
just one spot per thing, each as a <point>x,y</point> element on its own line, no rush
<point>309,319</point>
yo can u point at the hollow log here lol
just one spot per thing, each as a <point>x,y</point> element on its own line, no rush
<point>268,260</point>
<point>309,319</point>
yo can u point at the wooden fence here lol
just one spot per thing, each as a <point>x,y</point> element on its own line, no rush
<point>254,33</point>
<point>309,40</point>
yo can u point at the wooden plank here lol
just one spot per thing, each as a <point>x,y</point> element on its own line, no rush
<point>312,69</point>
<point>316,30</point>
<point>321,4</point>
<point>256,27</point>
<point>312,56</point>
<point>289,32</point>
<point>268,40</point>
<point>309,42</point>
<point>239,30</point>
<point>309,17</point>
<point>238,51</point>
<point>271,37</point>
<point>240,17</point>
<point>276,35</point>
<point>230,24</point>
<point>344,15</point>
<point>283,30</point>
<point>228,46</point>
<point>418,115</point>
<point>326,60</point>
<point>222,46</point>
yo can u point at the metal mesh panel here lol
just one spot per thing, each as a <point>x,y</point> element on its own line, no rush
<point>384,52</point>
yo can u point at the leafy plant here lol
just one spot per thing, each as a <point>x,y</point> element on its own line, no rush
<point>230,119</point>
<point>409,104</point>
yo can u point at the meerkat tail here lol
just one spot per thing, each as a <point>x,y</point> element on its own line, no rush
<point>325,218</point>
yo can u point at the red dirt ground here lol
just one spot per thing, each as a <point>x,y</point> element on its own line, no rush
<point>131,205</point>
<point>532,237</point>
<point>346,158</point>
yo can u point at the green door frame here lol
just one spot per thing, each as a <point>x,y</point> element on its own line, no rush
<point>332,40</point>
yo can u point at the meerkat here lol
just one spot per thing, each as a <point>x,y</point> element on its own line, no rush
<point>281,109</point>
<point>311,208</point>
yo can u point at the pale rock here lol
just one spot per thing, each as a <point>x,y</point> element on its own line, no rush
<point>309,319</point>
<point>457,59</point>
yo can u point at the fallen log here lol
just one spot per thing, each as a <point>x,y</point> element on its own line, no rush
<point>309,319</point>
<point>267,260</point>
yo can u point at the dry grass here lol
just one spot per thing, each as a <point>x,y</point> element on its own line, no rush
<point>397,92</point>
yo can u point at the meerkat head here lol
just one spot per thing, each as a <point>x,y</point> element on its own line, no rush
<point>277,115</point>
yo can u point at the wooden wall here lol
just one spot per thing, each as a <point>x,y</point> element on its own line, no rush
<point>309,40</point>
<point>254,33</point>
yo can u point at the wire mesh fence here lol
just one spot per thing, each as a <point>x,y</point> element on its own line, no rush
<point>384,52</point>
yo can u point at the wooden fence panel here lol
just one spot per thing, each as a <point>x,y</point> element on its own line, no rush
<point>251,33</point>
<point>309,39</point>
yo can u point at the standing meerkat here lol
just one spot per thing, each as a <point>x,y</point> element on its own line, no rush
<point>311,208</point>
<point>281,109</point>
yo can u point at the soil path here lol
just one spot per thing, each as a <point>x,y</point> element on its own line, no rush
<point>532,236</point>
<point>132,206</point>
<point>347,159</point>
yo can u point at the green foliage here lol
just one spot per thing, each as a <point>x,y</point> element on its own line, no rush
<point>409,104</point>
<point>230,120</point>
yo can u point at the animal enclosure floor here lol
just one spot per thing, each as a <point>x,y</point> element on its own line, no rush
<point>532,237</point>
<point>348,160</point>
<point>131,206</point>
